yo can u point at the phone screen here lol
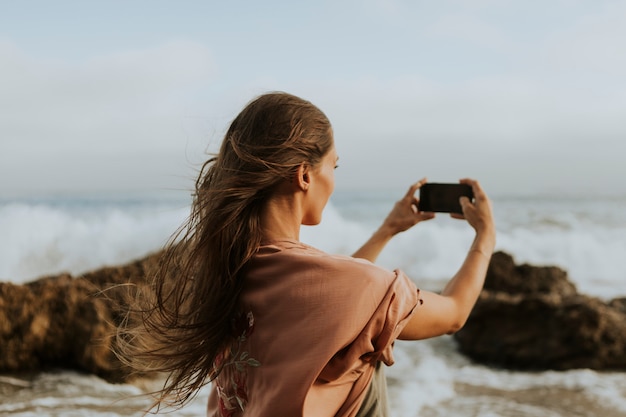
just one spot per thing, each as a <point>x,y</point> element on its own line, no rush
<point>443,198</point>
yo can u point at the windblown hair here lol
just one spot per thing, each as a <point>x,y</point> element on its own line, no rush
<point>186,316</point>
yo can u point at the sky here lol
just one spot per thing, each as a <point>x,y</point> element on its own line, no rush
<point>528,97</point>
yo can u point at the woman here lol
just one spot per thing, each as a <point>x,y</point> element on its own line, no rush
<point>281,328</point>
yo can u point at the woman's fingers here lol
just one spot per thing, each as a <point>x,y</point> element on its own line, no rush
<point>478,214</point>
<point>413,188</point>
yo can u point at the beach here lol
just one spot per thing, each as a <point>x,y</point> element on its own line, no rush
<point>587,238</point>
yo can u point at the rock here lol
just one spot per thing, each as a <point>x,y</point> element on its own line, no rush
<point>504,275</point>
<point>527,317</point>
<point>532,318</point>
<point>619,303</point>
<point>68,322</point>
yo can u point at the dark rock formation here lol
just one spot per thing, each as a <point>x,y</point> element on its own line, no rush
<point>527,317</point>
<point>68,322</point>
<point>532,318</point>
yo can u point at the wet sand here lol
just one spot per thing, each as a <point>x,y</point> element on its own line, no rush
<point>478,401</point>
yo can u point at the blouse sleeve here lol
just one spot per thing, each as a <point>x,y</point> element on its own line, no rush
<point>375,341</point>
<point>390,317</point>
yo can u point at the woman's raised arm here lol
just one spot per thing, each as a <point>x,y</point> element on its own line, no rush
<point>447,312</point>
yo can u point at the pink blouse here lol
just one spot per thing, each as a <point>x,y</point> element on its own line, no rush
<point>311,330</point>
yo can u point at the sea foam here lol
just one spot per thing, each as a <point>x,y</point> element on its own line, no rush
<point>588,240</point>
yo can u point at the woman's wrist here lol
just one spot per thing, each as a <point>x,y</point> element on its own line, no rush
<point>375,244</point>
<point>385,231</point>
<point>485,241</point>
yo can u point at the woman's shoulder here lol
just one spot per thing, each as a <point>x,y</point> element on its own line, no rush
<point>295,248</point>
<point>297,252</point>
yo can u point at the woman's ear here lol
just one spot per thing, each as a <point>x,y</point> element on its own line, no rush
<point>302,176</point>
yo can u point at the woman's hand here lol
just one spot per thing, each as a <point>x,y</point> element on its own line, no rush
<point>479,213</point>
<point>405,214</point>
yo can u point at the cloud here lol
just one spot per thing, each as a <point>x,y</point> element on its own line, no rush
<point>468,29</point>
<point>77,122</point>
<point>411,89</point>
<point>487,110</point>
<point>84,97</point>
<point>592,45</point>
<point>517,133</point>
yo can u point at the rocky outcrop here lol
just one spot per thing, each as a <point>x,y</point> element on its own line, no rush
<point>68,322</point>
<point>527,317</point>
<point>533,318</point>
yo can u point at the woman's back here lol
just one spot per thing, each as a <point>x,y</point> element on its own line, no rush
<point>313,326</point>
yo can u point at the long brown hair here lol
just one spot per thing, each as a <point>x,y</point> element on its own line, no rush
<point>195,293</point>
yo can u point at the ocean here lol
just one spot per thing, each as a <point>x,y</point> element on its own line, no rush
<point>587,237</point>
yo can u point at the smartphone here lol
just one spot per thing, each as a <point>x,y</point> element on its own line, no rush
<point>443,198</point>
